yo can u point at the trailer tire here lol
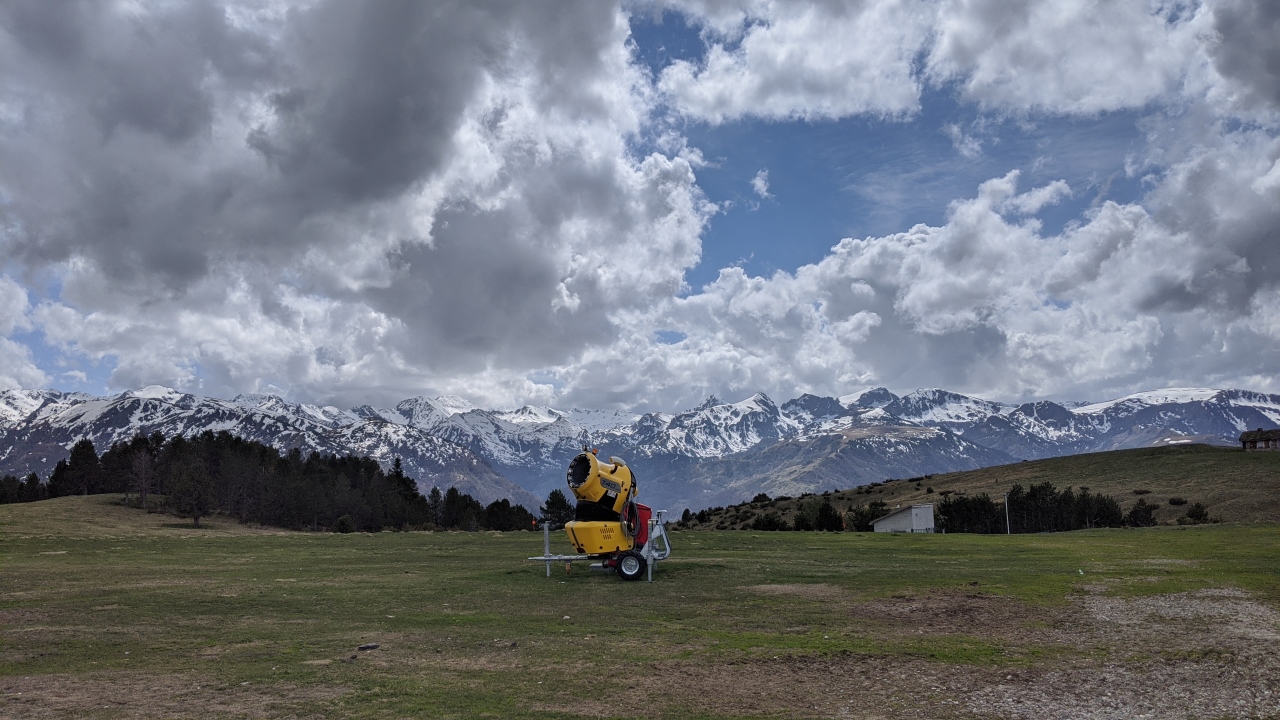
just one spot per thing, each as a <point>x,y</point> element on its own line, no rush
<point>631,565</point>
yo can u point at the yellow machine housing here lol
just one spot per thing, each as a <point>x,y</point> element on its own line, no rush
<point>603,491</point>
<point>598,537</point>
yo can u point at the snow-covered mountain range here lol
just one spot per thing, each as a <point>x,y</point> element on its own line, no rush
<point>713,454</point>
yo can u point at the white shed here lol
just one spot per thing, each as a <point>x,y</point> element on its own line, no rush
<point>916,518</point>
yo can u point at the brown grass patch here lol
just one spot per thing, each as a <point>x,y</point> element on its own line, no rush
<point>1200,654</point>
<point>189,695</point>
<point>818,592</point>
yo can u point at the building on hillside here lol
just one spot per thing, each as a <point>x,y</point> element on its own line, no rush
<point>1260,439</point>
<point>914,518</point>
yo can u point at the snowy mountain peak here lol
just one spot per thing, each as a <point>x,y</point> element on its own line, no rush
<point>809,409</point>
<point>155,392</point>
<point>452,404</point>
<point>530,415</point>
<point>1153,397</point>
<point>943,408</point>
<point>18,404</point>
<point>873,398</point>
<point>256,400</point>
<point>757,403</point>
<point>710,402</point>
<point>421,412</point>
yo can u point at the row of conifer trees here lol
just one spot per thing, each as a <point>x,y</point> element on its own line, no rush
<point>1039,508</point>
<point>218,473</point>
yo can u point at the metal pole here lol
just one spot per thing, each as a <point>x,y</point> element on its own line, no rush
<point>546,544</point>
<point>1007,531</point>
<point>648,550</point>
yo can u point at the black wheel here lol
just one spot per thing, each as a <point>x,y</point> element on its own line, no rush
<point>631,565</point>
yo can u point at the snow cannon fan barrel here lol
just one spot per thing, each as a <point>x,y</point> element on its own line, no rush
<point>608,485</point>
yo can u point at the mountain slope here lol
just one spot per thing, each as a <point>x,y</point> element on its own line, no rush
<point>55,421</point>
<point>712,454</point>
<point>1236,486</point>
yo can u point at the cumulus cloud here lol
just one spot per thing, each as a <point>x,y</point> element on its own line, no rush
<point>1070,57</point>
<point>341,198</point>
<point>801,60</point>
<point>829,60</point>
<point>990,303</point>
<point>17,369</point>
<point>357,201</point>
<point>1244,50</point>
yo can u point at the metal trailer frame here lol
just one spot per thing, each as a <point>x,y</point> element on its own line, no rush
<point>651,552</point>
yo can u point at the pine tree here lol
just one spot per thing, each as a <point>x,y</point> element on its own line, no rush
<point>84,468</point>
<point>59,481</point>
<point>191,489</point>
<point>435,507</point>
<point>10,489</point>
<point>32,489</point>
<point>557,510</point>
<point>828,519</point>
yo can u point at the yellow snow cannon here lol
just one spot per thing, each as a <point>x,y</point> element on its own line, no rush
<point>610,526</point>
<point>605,493</point>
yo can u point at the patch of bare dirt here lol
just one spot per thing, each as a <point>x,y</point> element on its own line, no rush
<point>1206,654</point>
<point>1224,612</point>
<point>1216,686</point>
<point>44,697</point>
<point>838,686</point>
<point>20,617</point>
<point>958,613</point>
<point>935,613</point>
<point>1209,654</point>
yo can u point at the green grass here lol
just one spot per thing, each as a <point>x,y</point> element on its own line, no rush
<point>97,594</point>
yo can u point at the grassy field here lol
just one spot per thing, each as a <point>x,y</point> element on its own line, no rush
<point>108,612</point>
<point>1236,486</point>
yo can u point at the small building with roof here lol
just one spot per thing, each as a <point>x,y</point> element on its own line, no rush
<point>914,518</point>
<point>1260,439</point>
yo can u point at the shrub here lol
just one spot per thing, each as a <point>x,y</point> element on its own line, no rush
<point>1177,501</point>
<point>770,521</point>
<point>1198,514</point>
<point>1141,514</point>
<point>859,519</point>
<point>760,497</point>
<point>344,524</point>
<point>1141,492</point>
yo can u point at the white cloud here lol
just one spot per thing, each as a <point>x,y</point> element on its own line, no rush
<point>294,224</point>
<point>760,184</point>
<point>967,145</point>
<point>236,207</point>
<point>1068,56</point>
<point>1180,292</point>
<point>801,61</point>
<point>814,61</point>
<point>17,367</point>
